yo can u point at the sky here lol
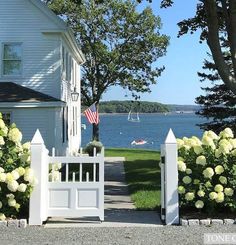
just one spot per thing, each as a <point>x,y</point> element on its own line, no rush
<point>179,83</point>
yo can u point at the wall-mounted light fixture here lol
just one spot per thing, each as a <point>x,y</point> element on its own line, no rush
<point>74,96</point>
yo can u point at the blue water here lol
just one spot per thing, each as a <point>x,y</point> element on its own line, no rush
<point>117,131</point>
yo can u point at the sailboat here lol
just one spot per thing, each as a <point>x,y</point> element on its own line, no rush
<point>133,119</point>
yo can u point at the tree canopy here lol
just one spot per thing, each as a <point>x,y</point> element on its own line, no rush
<point>218,105</point>
<point>120,44</point>
<point>217,21</point>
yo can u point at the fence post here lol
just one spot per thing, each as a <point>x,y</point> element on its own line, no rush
<point>101,183</point>
<point>171,180</point>
<point>39,164</point>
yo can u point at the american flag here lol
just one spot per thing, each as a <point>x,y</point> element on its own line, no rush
<point>92,114</point>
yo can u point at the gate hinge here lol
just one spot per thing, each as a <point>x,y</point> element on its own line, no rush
<point>163,159</point>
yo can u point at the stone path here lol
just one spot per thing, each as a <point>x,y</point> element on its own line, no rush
<point>119,209</point>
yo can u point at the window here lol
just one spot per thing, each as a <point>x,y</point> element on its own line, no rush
<point>12,59</point>
<point>6,116</point>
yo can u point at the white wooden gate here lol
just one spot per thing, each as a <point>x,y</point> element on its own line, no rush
<point>76,191</point>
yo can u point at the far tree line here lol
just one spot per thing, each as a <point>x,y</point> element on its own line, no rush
<point>133,106</point>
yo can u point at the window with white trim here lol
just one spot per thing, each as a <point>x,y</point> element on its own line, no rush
<point>12,59</point>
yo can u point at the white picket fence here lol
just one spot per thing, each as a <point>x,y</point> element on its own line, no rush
<point>78,190</point>
<point>169,181</point>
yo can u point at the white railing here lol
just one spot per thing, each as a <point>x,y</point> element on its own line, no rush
<point>76,191</point>
<point>169,181</point>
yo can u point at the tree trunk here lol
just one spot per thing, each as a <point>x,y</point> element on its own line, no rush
<point>95,132</point>
<point>213,42</point>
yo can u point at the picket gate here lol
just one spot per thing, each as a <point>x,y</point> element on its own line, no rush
<point>77,190</point>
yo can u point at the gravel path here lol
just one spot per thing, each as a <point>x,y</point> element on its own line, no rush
<point>168,235</point>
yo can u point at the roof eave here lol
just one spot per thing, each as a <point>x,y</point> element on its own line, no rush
<point>69,36</point>
<point>32,104</point>
<point>49,13</point>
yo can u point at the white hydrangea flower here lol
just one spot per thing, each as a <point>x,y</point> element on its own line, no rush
<point>233,143</point>
<point>223,180</point>
<point>2,177</point>
<point>208,172</point>
<point>10,195</point>
<point>226,133</point>
<point>29,175</point>
<point>189,196</point>
<point>220,197</point>
<point>2,142</point>
<point>12,202</point>
<point>199,204</point>
<point>5,131</point>
<point>188,171</point>
<point>201,193</point>
<point>9,177</point>
<point>21,171</point>
<point>219,169</point>
<point>22,187</point>
<point>187,180</point>
<point>12,185</point>
<point>181,166</point>
<point>212,135</point>
<point>180,143</point>
<point>229,192</point>
<point>26,146</point>
<point>206,140</point>
<point>15,174</point>
<point>219,188</point>
<point>2,170</point>
<point>198,149</point>
<point>213,195</point>
<point>2,124</point>
<point>181,189</point>
<point>2,217</point>
<point>197,141</point>
<point>201,160</point>
<point>15,135</point>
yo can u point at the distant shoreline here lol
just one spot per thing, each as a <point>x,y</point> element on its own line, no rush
<point>150,113</point>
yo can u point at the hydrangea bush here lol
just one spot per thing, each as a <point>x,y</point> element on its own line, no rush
<point>207,171</point>
<point>16,177</point>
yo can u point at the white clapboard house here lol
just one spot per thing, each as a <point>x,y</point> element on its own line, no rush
<point>39,71</point>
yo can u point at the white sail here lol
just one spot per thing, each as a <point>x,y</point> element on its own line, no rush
<point>133,119</point>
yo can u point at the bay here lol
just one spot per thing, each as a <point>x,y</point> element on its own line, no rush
<point>117,132</point>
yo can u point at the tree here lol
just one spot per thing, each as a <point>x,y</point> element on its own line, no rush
<point>216,19</point>
<point>120,45</point>
<point>218,105</point>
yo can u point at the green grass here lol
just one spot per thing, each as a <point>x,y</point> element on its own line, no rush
<point>143,176</point>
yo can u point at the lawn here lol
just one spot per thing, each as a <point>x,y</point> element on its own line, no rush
<point>142,175</point>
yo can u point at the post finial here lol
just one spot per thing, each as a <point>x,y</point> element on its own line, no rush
<point>37,139</point>
<point>170,139</point>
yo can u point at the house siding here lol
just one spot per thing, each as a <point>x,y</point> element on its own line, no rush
<point>28,120</point>
<point>22,22</point>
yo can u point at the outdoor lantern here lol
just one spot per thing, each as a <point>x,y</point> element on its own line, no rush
<point>74,96</point>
